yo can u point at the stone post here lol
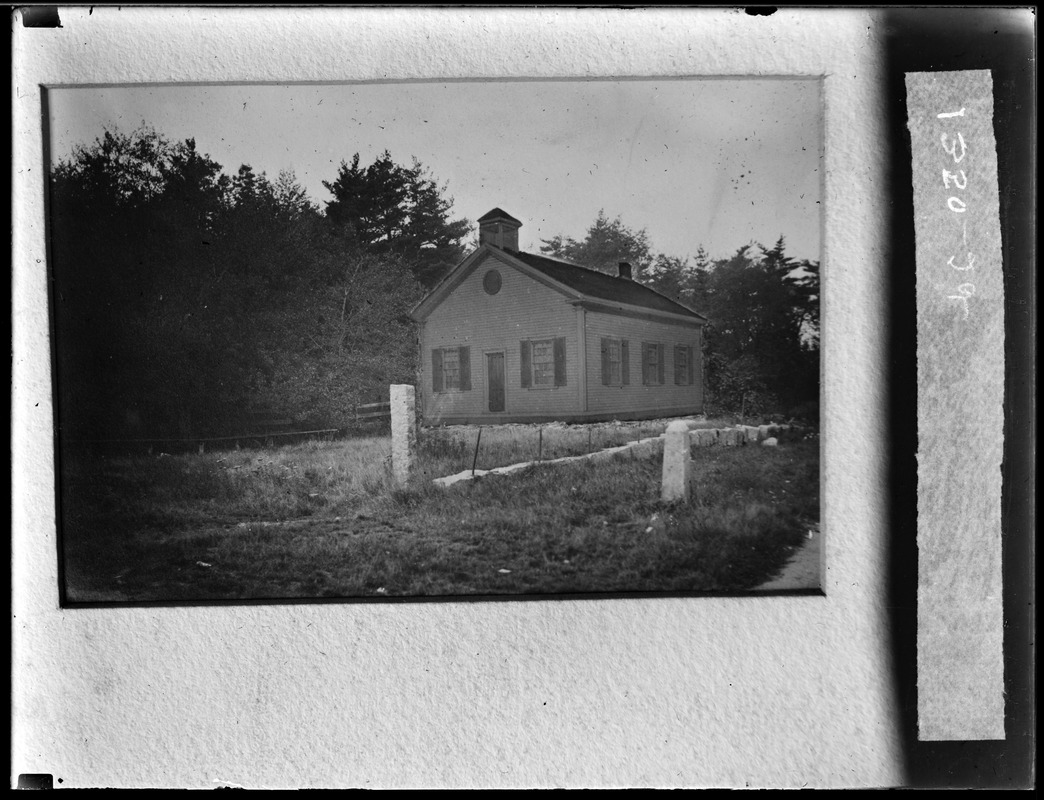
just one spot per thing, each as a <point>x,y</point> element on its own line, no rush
<point>404,431</point>
<point>677,464</point>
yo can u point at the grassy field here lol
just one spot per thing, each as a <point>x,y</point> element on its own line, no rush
<point>322,520</point>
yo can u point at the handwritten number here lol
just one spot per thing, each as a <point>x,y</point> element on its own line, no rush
<point>960,183</point>
<point>958,180</point>
<point>965,290</point>
<point>952,150</point>
<point>971,263</point>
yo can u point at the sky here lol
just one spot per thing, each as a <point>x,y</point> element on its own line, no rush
<point>712,162</point>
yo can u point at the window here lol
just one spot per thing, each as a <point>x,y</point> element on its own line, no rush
<point>491,282</point>
<point>616,365</point>
<point>652,364</point>
<point>451,369</point>
<point>613,354</point>
<point>683,365</point>
<point>543,363</point>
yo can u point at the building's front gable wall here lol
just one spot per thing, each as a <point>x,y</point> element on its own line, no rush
<point>635,398</point>
<point>523,309</point>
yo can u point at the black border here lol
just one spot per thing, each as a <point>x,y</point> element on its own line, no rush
<point>1003,41</point>
<point>948,39</point>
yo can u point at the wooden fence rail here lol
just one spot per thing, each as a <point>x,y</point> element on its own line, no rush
<point>265,429</point>
<point>373,412</point>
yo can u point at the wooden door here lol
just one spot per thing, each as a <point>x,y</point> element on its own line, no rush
<point>495,382</point>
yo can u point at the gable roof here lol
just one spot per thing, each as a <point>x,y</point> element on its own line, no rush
<point>601,286</point>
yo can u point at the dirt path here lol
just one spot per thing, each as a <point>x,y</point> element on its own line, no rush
<point>802,571</point>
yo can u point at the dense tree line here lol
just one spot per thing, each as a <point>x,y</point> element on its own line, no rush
<point>187,299</point>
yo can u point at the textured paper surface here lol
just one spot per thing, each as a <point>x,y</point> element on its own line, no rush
<point>960,415</point>
<point>770,692</point>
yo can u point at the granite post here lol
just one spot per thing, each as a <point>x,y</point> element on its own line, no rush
<point>677,464</point>
<point>404,431</point>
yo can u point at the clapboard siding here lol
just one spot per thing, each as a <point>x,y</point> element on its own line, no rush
<point>636,398</point>
<point>522,309</point>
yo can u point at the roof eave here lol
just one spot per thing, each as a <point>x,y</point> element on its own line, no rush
<point>669,316</point>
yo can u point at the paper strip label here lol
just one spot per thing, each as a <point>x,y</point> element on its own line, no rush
<point>960,415</point>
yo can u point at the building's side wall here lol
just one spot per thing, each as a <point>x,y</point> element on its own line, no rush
<point>635,399</point>
<point>522,309</point>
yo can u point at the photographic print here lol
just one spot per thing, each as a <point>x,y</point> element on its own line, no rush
<point>436,339</point>
<point>221,624</point>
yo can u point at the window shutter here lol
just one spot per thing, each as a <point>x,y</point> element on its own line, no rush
<point>659,364</point>
<point>527,364</point>
<point>465,369</point>
<point>605,362</point>
<point>560,361</point>
<point>679,364</point>
<point>645,365</point>
<point>625,363</point>
<point>436,370</point>
<point>692,365</point>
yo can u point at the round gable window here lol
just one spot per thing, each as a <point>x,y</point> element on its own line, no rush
<point>491,282</point>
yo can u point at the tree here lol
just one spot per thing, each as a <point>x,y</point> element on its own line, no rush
<point>762,339</point>
<point>185,297</point>
<point>352,337</point>
<point>389,209</point>
<point>608,242</point>
<point>805,283</point>
<point>738,385</point>
<point>677,279</point>
<point>133,218</point>
<point>322,321</point>
<point>700,280</point>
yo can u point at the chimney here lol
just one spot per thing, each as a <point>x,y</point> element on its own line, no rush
<point>499,229</point>
<point>625,271</point>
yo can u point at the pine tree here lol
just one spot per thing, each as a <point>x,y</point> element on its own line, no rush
<point>388,209</point>
<point>762,339</point>
<point>607,243</point>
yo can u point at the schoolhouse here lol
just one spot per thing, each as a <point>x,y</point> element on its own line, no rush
<point>509,336</point>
